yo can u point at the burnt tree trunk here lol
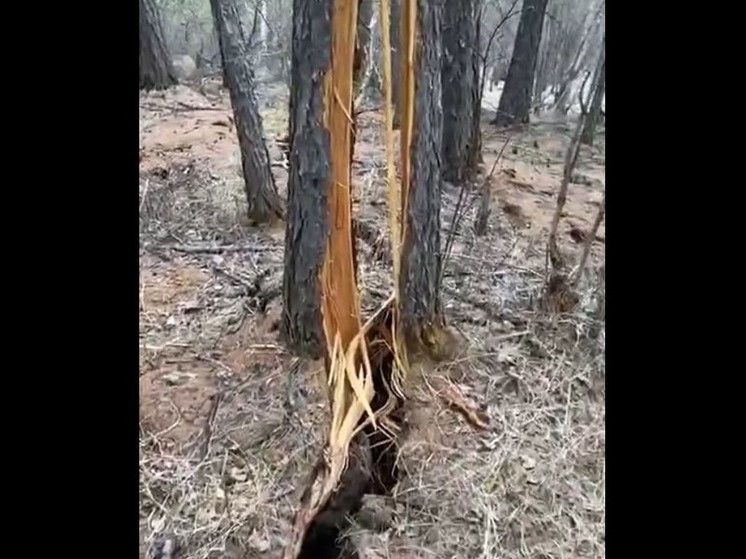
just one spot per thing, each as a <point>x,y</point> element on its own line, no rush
<point>309,176</point>
<point>419,280</point>
<point>264,204</point>
<point>156,69</point>
<point>459,43</point>
<point>394,34</point>
<point>591,119</point>
<point>515,102</point>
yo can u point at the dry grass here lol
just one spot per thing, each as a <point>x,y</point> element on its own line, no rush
<point>222,480</point>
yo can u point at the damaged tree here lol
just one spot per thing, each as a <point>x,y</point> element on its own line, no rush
<point>421,134</point>
<point>459,35</point>
<point>308,180</point>
<point>156,68</point>
<point>264,203</point>
<point>515,102</point>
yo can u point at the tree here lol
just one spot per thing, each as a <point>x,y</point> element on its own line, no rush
<point>322,311</point>
<point>459,36</point>
<point>264,203</point>
<point>156,68</point>
<point>515,102</point>
<point>599,78</point>
<point>309,177</point>
<point>474,152</point>
<point>421,135</point>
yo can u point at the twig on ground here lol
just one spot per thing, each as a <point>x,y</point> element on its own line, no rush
<point>208,248</point>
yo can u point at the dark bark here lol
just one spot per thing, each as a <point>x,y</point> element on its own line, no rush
<point>264,202</point>
<point>591,119</point>
<point>459,43</point>
<point>394,35</point>
<point>308,181</point>
<point>156,68</point>
<point>221,48</point>
<point>421,258</point>
<point>515,102</point>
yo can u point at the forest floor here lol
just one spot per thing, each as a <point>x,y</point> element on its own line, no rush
<point>230,424</point>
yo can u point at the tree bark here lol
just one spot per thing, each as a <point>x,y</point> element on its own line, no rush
<point>264,203</point>
<point>309,176</point>
<point>459,44</point>
<point>591,119</point>
<point>156,68</point>
<point>394,38</point>
<point>515,102</point>
<point>474,152</point>
<point>419,278</point>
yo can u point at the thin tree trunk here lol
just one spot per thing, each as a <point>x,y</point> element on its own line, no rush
<point>458,77</point>
<point>264,203</point>
<point>156,68</point>
<point>309,176</point>
<point>515,102</point>
<point>591,119</point>
<point>422,127</point>
<point>474,152</point>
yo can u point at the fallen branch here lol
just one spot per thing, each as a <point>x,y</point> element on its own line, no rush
<point>453,395</point>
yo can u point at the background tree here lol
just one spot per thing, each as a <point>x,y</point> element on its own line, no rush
<point>156,69</point>
<point>599,78</point>
<point>474,151</point>
<point>515,102</point>
<point>459,35</point>
<point>421,135</point>
<point>264,203</point>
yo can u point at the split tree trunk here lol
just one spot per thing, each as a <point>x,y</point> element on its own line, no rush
<point>422,127</point>
<point>458,74</point>
<point>264,203</point>
<point>515,102</point>
<point>156,68</point>
<point>309,175</point>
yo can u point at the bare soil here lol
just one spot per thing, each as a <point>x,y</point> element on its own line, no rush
<point>231,424</point>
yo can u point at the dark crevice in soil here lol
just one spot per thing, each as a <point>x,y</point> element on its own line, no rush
<point>372,465</point>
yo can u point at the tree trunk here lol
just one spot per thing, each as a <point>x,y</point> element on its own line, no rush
<point>309,176</point>
<point>422,127</point>
<point>474,152</point>
<point>459,43</point>
<point>515,102</point>
<point>394,34</point>
<point>261,194</point>
<point>156,68</point>
<point>589,127</point>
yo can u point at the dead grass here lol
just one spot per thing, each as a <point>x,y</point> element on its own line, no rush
<point>230,427</point>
